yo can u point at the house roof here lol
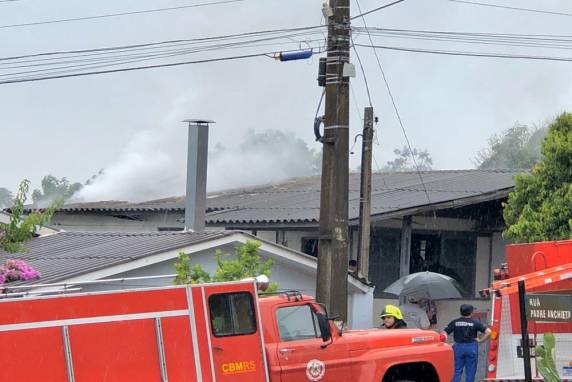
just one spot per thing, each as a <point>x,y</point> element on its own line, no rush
<point>392,194</point>
<point>81,256</point>
<point>298,200</point>
<point>68,254</point>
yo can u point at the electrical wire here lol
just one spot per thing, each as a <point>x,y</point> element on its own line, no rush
<point>468,38</point>
<point>376,9</point>
<point>172,64</point>
<point>152,44</point>
<point>62,62</point>
<point>511,8</point>
<point>58,21</point>
<point>474,34</point>
<point>157,53</point>
<point>363,73</point>
<point>469,54</point>
<point>396,109</point>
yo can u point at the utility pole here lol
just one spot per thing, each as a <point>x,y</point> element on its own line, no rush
<point>365,194</point>
<point>333,256</point>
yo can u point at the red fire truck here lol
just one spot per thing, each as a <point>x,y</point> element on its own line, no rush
<point>211,332</point>
<point>545,268</point>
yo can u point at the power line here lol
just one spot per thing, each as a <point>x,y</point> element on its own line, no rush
<point>91,66</point>
<point>155,53</point>
<point>395,108</point>
<point>363,73</point>
<point>150,51</point>
<point>474,38</point>
<point>63,66</point>
<point>208,60</point>
<point>511,8</point>
<point>479,34</point>
<point>376,9</point>
<point>229,58</point>
<point>151,44</point>
<point>117,14</point>
<point>469,54</point>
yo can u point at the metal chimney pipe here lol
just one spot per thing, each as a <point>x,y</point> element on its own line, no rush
<point>196,196</point>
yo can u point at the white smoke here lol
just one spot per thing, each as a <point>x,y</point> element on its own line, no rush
<point>153,164</point>
<point>261,158</point>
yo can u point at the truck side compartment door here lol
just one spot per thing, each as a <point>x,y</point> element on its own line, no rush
<point>237,351</point>
<point>302,353</point>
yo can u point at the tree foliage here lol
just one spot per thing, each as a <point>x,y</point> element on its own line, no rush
<point>540,207</point>
<point>54,189</point>
<point>5,197</point>
<point>245,263</point>
<point>404,160</point>
<point>22,228</point>
<point>516,148</point>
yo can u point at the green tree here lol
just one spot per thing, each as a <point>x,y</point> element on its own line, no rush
<point>245,263</point>
<point>404,160</point>
<point>5,197</point>
<point>54,189</point>
<point>22,228</point>
<point>517,147</point>
<point>540,207</point>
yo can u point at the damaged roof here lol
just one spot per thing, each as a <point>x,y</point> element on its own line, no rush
<point>298,200</point>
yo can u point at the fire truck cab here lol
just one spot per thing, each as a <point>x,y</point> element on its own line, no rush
<point>211,332</point>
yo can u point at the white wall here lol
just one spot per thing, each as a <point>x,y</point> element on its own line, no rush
<point>499,245</point>
<point>287,274</point>
<point>267,235</point>
<point>292,239</point>
<point>360,315</point>
<point>482,270</point>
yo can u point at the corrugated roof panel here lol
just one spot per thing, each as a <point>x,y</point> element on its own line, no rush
<point>298,200</point>
<point>68,254</point>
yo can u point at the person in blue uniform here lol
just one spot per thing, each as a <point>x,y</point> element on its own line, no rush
<point>466,331</point>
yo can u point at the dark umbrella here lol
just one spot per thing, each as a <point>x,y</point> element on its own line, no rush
<point>431,285</point>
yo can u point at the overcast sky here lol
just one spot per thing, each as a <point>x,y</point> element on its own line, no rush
<point>129,123</point>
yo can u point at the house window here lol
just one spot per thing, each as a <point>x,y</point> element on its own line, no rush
<point>310,246</point>
<point>232,314</point>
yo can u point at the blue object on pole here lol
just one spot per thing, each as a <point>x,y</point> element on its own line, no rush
<point>297,55</point>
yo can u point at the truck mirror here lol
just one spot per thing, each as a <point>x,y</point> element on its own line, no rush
<point>324,327</point>
<point>339,324</point>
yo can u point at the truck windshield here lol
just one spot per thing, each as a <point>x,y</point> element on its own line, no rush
<point>297,323</point>
<point>232,314</point>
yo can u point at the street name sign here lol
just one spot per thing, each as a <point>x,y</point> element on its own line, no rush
<point>549,307</point>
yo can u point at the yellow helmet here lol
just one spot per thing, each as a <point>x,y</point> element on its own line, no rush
<point>392,310</point>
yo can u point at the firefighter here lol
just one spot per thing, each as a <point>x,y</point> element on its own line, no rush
<point>465,331</point>
<point>392,318</point>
